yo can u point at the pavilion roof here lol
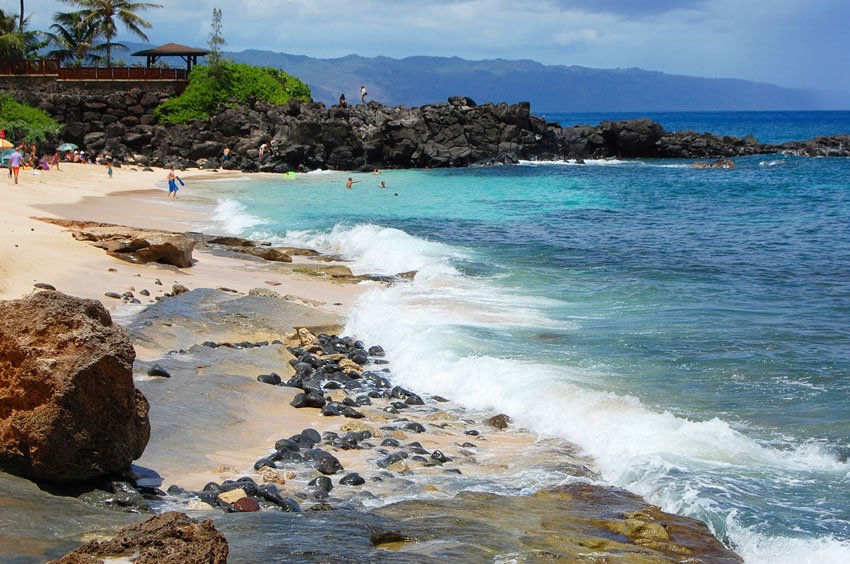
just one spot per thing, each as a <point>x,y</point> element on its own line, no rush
<point>172,49</point>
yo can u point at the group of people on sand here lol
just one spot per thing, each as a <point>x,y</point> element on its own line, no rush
<point>343,103</point>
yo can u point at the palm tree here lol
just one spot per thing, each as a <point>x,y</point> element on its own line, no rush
<point>74,36</point>
<point>107,14</point>
<point>12,44</point>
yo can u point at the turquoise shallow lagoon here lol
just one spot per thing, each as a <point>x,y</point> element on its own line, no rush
<point>688,328</point>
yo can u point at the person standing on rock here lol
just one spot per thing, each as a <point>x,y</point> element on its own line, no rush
<point>363,94</point>
<point>343,103</point>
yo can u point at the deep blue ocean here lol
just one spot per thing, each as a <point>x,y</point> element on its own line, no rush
<point>687,328</point>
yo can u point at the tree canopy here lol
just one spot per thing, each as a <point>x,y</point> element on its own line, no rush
<point>106,15</point>
<point>237,84</point>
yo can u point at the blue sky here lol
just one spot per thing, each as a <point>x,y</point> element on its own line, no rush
<point>800,43</point>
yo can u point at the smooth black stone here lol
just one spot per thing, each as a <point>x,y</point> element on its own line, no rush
<point>287,444</point>
<point>264,463</point>
<point>352,479</point>
<point>329,435</point>
<point>353,385</point>
<point>311,399</point>
<point>323,461</point>
<point>390,442</point>
<point>312,435</point>
<point>159,371</point>
<point>272,379</point>
<point>399,405</point>
<point>374,394</point>
<point>212,488</point>
<point>360,358</point>
<point>350,402</point>
<point>362,400</point>
<point>376,351</point>
<point>469,445</point>
<point>210,344</point>
<point>175,490</point>
<point>390,460</point>
<point>471,433</point>
<point>322,482</point>
<point>352,413</point>
<point>331,410</point>
<point>390,409</point>
<point>439,399</point>
<point>305,443</point>
<point>418,458</point>
<point>331,385</point>
<point>415,427</point>
<point>44,286</point>
<point>359,345</point>
<point>379,361</point>
<point>418,450</point>
<point>453,471</point>
<point>286,455</point>
<point>413,399</point>
<point>440,457</point>
<point>113,295</point>
<point>269,492</point>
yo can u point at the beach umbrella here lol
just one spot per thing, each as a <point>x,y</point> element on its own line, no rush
<point>67,147</point>
<point>5,144</point>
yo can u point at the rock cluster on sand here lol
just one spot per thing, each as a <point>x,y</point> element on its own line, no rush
<point>68,408</point>
<point>170,537</point>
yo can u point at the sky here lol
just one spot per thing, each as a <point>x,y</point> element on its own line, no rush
<point>796,43</point>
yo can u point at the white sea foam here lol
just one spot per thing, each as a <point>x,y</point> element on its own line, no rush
<point>574,162</point>
<point>233,217</point>
<point>422,324</point>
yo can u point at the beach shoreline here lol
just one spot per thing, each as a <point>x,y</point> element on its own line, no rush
<point>215,388</point>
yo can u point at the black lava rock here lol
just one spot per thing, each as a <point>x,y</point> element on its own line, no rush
<point>352,479</point>
<point>158,371</point>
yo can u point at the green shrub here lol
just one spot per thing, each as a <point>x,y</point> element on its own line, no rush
<point>20,119</point>
<point>234,85</point>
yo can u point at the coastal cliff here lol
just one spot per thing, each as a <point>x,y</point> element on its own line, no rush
<point>303,136</point>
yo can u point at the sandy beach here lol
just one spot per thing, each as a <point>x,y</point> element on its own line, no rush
<point>33,251</point>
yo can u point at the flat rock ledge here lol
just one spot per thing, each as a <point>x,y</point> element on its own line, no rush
<point>170,537</point>
<point>68,408</point>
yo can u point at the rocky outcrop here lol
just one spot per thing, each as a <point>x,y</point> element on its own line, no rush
<point>302,136</point>
<point>170,537</point>
<point>68,408</point>
<point>140,246</point>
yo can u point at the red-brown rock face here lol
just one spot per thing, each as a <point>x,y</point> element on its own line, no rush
<point>68,407</point>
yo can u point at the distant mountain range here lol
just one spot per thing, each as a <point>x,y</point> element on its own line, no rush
<point>416,81</point>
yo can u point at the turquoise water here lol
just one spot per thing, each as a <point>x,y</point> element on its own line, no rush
<point>686,327</point>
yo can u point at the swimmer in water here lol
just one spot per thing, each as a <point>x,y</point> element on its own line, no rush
<point>351,183</point>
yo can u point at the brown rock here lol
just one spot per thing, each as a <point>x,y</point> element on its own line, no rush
<point>134,245</point>
<point>246,505</point>
<point>267,253</point>
<point>68,407</point>
<point>500,421</point>
<point>170,537</point>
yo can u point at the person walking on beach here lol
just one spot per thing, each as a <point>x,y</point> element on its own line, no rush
<point>15,160</point>
<point>351,183</point>
<point>173,179</point>
<point>109,172</point>
<point>363,94</point>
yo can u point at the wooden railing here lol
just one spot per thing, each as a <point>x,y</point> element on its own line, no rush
<point>41,67</point>
<point>53,67</point>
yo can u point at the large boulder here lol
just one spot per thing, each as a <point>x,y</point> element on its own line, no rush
<point>170,537</point>
<point>68,407</point>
